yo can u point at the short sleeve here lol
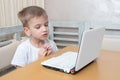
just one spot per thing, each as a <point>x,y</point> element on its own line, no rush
<point>20,57</point>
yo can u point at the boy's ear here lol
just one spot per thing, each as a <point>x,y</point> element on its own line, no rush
<point>27,31</point>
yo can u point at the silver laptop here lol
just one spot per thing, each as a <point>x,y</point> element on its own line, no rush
<point>72,62</point>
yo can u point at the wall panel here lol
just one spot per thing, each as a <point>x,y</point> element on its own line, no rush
<point>10,8</point>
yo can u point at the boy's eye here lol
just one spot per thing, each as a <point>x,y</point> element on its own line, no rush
<point>37,27</point>
<point>46,25</point>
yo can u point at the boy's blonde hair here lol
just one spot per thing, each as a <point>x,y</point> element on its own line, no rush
<point>30,12</point>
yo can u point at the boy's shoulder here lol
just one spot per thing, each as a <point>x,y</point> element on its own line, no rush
<point>25,43</point>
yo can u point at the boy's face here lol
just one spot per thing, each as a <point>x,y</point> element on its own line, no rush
<point>38,28</point>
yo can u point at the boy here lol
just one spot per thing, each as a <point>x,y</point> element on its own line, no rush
<point>35,23</point>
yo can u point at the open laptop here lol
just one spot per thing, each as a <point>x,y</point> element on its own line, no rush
<point>72,62</point>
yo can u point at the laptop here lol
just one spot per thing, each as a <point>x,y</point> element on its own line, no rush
<point>72,62</point>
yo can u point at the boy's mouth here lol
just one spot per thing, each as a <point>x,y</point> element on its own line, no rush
<point>45,34</point>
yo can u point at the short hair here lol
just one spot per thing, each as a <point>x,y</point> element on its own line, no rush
<point>30,12</point>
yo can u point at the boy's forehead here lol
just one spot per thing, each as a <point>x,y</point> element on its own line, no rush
<point>38,20</point>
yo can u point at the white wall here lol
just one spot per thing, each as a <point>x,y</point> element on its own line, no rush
<point>84,10</point>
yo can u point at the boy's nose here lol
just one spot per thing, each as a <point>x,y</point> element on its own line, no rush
<point>44,28</point>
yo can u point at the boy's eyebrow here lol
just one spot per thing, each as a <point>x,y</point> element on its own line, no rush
<point>46,22</point>
<point>41,24</point>
<point>35,26</point>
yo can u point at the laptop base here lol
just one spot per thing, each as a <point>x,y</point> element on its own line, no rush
<point>72,71</point>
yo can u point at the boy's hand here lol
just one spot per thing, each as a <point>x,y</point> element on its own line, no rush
<point>42,52</point>
<point>48,48</point>
<point>45,50</point>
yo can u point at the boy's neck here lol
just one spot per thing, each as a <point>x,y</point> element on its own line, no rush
<point>37,43</point>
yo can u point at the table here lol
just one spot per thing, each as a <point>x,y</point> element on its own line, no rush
<point>105,67</point>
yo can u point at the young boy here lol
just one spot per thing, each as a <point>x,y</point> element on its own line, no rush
<point>35,22</point>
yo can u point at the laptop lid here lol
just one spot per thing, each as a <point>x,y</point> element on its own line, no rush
<point>90,47</point>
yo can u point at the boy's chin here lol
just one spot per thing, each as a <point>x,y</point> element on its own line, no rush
<point>44,38</point>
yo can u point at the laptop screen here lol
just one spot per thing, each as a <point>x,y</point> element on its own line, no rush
<point>90,47</point>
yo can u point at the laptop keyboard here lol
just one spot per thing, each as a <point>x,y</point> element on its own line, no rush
<point>66,61</point>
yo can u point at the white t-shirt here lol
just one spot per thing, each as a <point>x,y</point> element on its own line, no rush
<point>27,53</point>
